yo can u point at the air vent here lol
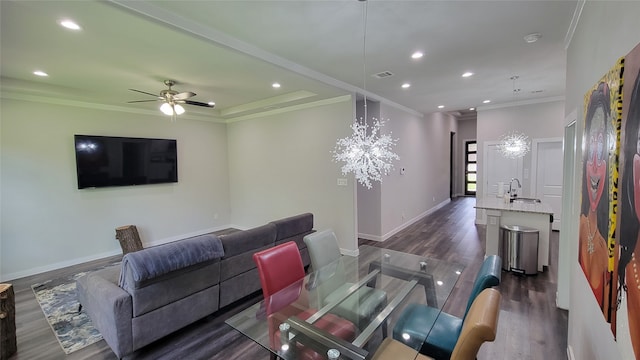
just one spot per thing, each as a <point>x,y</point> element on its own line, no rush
<point>382,75</point>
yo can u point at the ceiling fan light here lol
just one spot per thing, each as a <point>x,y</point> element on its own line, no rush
<point>179,109</point>
<point>167,110</point>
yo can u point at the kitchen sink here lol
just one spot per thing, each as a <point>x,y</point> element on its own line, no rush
<point>526,200</point>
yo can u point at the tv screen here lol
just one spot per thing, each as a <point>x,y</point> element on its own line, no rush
<point>103,161</point>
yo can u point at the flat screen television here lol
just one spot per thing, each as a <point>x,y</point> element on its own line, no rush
<point>103,161</point>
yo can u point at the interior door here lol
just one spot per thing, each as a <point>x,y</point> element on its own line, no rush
<point>548,180</point>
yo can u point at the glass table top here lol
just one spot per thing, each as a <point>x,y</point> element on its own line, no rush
<point>309,315</point>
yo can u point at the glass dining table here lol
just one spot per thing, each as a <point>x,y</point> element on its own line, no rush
<point>292,323</point>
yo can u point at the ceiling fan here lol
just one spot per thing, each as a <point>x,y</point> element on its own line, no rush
<point>172,99</point>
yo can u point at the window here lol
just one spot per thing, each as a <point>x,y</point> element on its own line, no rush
<point>470,167</point>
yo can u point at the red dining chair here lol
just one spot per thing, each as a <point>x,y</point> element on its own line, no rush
<point>280,267</point>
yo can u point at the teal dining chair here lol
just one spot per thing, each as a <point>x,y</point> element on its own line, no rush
<point>435,333</point>
<point>480,326</point>
<point>364,304</point>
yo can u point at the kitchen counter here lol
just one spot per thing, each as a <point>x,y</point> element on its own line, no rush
<point>495,203</point>
<point>535,215</point>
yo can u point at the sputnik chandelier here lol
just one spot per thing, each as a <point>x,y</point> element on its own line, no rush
<point>366,153</point>
<point>367,156</point>
<point>514,145</point>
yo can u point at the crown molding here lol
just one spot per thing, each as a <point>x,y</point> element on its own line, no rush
<point>103,107</point>
<point>282,110</point>
<point>574,23</point>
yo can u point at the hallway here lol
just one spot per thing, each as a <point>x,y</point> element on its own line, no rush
<point>530,325</point>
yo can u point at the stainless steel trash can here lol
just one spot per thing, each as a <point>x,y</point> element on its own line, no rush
<point>518,249</point>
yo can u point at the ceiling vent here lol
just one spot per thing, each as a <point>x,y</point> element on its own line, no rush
<point>382,75</point>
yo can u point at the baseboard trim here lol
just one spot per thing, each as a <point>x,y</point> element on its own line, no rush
<point>191,234</point>
<point>102,255</point>
<point>370,237</point>
<point>59,265</point>
<point>415,219</point>
<point>404,225</point>
<point>570,355</point>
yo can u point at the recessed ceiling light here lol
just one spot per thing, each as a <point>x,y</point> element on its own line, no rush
<point>472,109</point>
<point>417,55</point>
<point>531,38</point>
<point>40,73</point>
<point>467,74</point>
<point>69,24</point>
<point>406,85</point>
<point>486,101</point>
<point>275,85</point>
<point>440,106</point>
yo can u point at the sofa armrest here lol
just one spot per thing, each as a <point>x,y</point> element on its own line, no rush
<point>110,308</point>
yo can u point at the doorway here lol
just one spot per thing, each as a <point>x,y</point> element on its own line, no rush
<point>452,166</point>
<point>470,167</point>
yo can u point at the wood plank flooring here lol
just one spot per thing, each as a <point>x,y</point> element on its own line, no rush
<point>530,326</point>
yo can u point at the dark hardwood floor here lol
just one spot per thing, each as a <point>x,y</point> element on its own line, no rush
<point>530,326</point>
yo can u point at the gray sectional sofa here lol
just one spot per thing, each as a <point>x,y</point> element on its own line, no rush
<point>158,290</point>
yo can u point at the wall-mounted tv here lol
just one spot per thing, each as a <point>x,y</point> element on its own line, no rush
<point>103,161</point>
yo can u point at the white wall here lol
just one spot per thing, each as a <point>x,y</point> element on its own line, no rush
<point>466,131</point>
<point>47,223</point>
<point>423,147</point>
<point>281,165</point>
<point>606,31</point>
<point>541,120</point>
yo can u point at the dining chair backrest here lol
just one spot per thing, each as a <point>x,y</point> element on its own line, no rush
<point>279,267</point>
<point>488,276</point>
<point>323,248</point>
<point>480,325</point>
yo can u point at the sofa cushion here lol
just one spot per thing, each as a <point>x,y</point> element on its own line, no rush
<point>239,287</point>
<point>164,320</point>
<point>293,225</point>
<point>248,240</point>
<point>233,266</point>
<point>140,267</point>
<point>295,228</point>
<point>175,286</point>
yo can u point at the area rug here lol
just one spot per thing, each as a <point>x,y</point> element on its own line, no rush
<point>59,303</point>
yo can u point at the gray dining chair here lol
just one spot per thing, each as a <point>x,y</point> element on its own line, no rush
<point>323,248</point>
<point>364,304</point>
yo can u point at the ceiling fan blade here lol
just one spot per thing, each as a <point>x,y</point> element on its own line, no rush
<point>137,101</point>
<point>197,103</point>
<point>184,95</point>
<point>144,92</point>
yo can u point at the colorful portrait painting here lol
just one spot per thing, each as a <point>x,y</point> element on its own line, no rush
<point>596,253</point>
<point>628,267</point>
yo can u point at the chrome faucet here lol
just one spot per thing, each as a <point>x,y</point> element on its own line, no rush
<point>512,191</point>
